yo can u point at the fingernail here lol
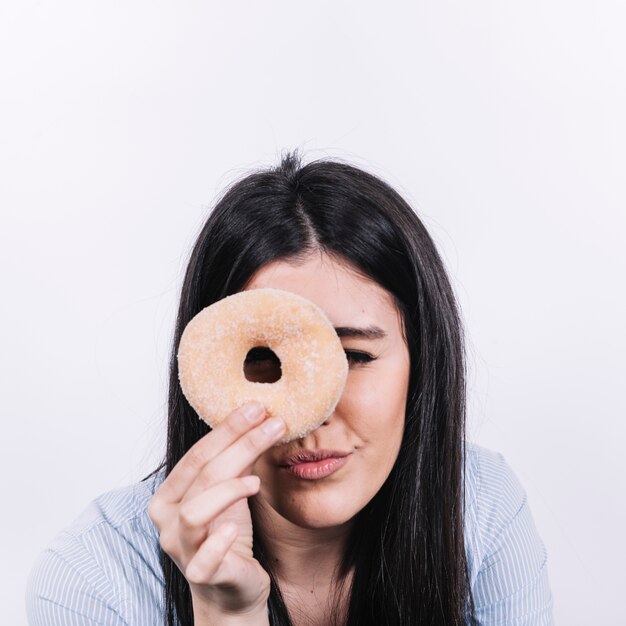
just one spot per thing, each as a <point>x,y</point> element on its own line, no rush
<point>273,426</point>
<point>252,411</point>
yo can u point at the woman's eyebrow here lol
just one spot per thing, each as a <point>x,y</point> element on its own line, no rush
<point>370,332</point>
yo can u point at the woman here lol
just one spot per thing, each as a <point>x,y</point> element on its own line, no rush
<point>417,527</point>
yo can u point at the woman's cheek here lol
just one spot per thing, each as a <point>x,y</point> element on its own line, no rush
<point>360,399</point>
<point>366,383</point>
<point>364,407</point>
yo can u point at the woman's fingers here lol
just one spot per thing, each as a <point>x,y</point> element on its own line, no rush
<point>174,487</point>
<point>196,514</point>
<point>206,489</point>
<point>238,457</point>
<point>186,525</point>
<point>209,557</point>
<point>217,565</point>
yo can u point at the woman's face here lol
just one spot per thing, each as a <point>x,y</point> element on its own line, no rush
<point>368,420</point>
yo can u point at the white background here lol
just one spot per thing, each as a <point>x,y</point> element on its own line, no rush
<point>501,122</point>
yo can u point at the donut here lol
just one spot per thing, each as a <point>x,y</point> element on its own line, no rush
<point>313,365</point>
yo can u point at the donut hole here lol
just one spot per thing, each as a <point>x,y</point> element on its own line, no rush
<point>262,365</point>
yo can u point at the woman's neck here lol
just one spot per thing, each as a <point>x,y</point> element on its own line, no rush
<point>301,558</point>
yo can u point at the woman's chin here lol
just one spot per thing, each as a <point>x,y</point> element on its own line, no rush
<point>318,522</point>
<point>317,515</point>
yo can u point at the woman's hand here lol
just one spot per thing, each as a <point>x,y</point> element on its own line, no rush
<point>202,515</point>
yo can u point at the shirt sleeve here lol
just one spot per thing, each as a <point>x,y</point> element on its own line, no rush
<point>58,593</point>
<point>512,586</point>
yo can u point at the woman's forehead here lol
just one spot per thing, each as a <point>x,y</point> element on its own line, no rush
<point>347,298</point>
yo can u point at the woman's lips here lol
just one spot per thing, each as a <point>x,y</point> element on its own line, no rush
<point>314,470</point>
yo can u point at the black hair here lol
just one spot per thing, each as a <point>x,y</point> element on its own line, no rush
<point>407,545</point>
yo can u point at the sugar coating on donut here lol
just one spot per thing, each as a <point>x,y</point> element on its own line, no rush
<point>215,343</point>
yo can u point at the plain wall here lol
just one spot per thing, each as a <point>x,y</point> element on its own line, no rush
<point>501,122</point>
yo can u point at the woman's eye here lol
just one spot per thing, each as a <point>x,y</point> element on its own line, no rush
<point>359,357</point>
<point>262,366</point>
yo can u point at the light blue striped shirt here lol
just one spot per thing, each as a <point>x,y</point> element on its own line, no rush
<point>104,568</point>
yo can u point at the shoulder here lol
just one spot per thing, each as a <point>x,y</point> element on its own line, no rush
<point>506,556</point>
<point>115,519</point>
<point>492,486</point>
<point>101,564</point>
<point>494,495</point>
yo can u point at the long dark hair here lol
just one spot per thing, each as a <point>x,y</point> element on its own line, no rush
<point>407,545</point>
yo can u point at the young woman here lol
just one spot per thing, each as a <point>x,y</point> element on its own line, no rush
<point>417,527</point>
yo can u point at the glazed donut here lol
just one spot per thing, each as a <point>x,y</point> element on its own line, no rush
<point>215,343</point>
